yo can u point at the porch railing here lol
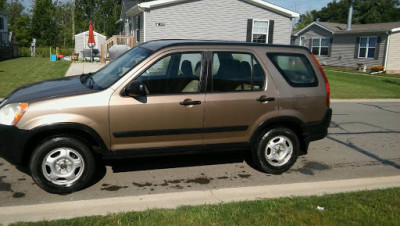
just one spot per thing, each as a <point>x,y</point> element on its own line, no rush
<point>115,40</point>
<point>4,38</point>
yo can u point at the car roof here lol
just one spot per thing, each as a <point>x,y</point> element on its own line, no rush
<point>160,44</point>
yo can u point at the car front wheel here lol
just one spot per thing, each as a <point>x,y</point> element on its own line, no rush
<point>62,165</point>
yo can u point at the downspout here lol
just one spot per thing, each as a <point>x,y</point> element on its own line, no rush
<point>144,26</point>
<point>387,50</point>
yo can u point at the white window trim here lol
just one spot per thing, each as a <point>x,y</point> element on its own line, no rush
<point>319,45</point>
<point>367,47</point>
<point>252,30</point>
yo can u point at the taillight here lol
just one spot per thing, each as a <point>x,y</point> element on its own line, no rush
<point>328,89</point>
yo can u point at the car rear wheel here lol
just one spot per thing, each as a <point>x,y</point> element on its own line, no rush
<point>276,150</point>
<point>62,165</point>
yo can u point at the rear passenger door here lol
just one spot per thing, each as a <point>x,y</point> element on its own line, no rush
<point>239,97</point>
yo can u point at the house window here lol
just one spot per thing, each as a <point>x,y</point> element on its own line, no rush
<point>367,47</point>
<point>320,46</point>
<point>260,31</point>
<point>302,41</point>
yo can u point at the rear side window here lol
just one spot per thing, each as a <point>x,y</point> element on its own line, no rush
<point>295,68</point>
<point>235,72</point>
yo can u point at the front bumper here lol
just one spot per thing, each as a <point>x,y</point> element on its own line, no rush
<point>12,143</point>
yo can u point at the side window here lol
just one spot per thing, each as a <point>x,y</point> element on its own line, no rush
<point>172,74</point>
<point>295,68</point>
<point>236,72</point>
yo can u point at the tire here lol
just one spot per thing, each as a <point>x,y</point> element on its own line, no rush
<point>62,165</point>
<point>276,150</point>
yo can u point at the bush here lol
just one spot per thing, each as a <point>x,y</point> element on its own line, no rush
<point>377,68</point>
<point>43,52</point>
<point>24,52</point>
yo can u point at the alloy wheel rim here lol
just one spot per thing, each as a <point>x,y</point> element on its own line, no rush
<point>63,166</point>
<point>279,151</point>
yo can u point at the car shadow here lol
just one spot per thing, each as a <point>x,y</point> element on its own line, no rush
<point>178,161</point>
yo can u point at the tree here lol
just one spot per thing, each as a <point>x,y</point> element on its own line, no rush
<point>44,27</point>
<point>63,18</point>
<point>15,9</point>
<point>365,11</point>
<point>21,26</point>
<point>20,23</point>
<point>102,13</point>
<point>3,5</point>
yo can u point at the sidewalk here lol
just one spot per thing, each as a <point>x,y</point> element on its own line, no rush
<point>72,209</point>
<point>79,68</point>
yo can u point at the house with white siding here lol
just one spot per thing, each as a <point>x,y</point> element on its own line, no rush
<point>353,45</point>
<point>231,20</point>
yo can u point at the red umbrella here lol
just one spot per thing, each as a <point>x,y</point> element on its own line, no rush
<point>91,41</point>
<point>91,35</point>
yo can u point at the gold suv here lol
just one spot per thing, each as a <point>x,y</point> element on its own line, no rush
<point>169,97</point>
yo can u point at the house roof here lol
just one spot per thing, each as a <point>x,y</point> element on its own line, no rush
<point>158,3</point>
<point>337,28</point>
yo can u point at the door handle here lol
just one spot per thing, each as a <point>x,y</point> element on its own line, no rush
<point>265,99</point>
<point>189,102</point>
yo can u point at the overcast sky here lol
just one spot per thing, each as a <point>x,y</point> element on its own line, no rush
<point>300,6</point>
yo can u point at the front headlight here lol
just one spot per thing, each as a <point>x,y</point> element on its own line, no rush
<point>11,113</point>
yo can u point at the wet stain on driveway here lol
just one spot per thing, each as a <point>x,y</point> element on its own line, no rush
<point>4,186</point>
<point>113,188</point>
<point>308,168</point>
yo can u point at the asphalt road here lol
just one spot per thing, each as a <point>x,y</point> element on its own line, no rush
<point>363,142</point>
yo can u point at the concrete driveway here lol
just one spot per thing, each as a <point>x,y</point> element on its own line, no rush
<point>78,68</point>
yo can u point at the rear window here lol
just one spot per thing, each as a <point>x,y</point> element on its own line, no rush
<point>295,68</point>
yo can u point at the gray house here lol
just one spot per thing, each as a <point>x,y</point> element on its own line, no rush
<point>234,20</point>
<point>357,45</point>
<point>3,29</point>
<point>8,44</point>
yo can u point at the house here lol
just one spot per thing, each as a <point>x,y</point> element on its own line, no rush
<point>81,44</point>
<point>8,44</point>
<point>232,20</point>
<point>353,45</point>
<point>3,29</point>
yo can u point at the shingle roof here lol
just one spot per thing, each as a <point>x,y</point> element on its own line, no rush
<point>341,29</point>
<point>378,27</point>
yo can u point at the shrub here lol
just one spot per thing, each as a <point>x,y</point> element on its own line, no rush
<point>376,68</point>
<point>43,52</point>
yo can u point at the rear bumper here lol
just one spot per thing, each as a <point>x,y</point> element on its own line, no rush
<point>12,143</point>
<point>318,130</point>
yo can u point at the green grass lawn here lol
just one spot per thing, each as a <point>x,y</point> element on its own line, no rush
<point>347,84</point>
<point>23,70</point>
<point>379,207</point>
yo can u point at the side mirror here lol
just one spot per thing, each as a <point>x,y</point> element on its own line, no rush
<point>135,89</point>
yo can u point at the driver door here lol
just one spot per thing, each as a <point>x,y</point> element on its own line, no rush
<point>171,114</point>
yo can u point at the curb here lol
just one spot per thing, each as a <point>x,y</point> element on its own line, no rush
<point>72,209</point>
<point>364,100</point>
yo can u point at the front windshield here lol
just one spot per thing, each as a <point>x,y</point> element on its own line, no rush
<point>116,69</point>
